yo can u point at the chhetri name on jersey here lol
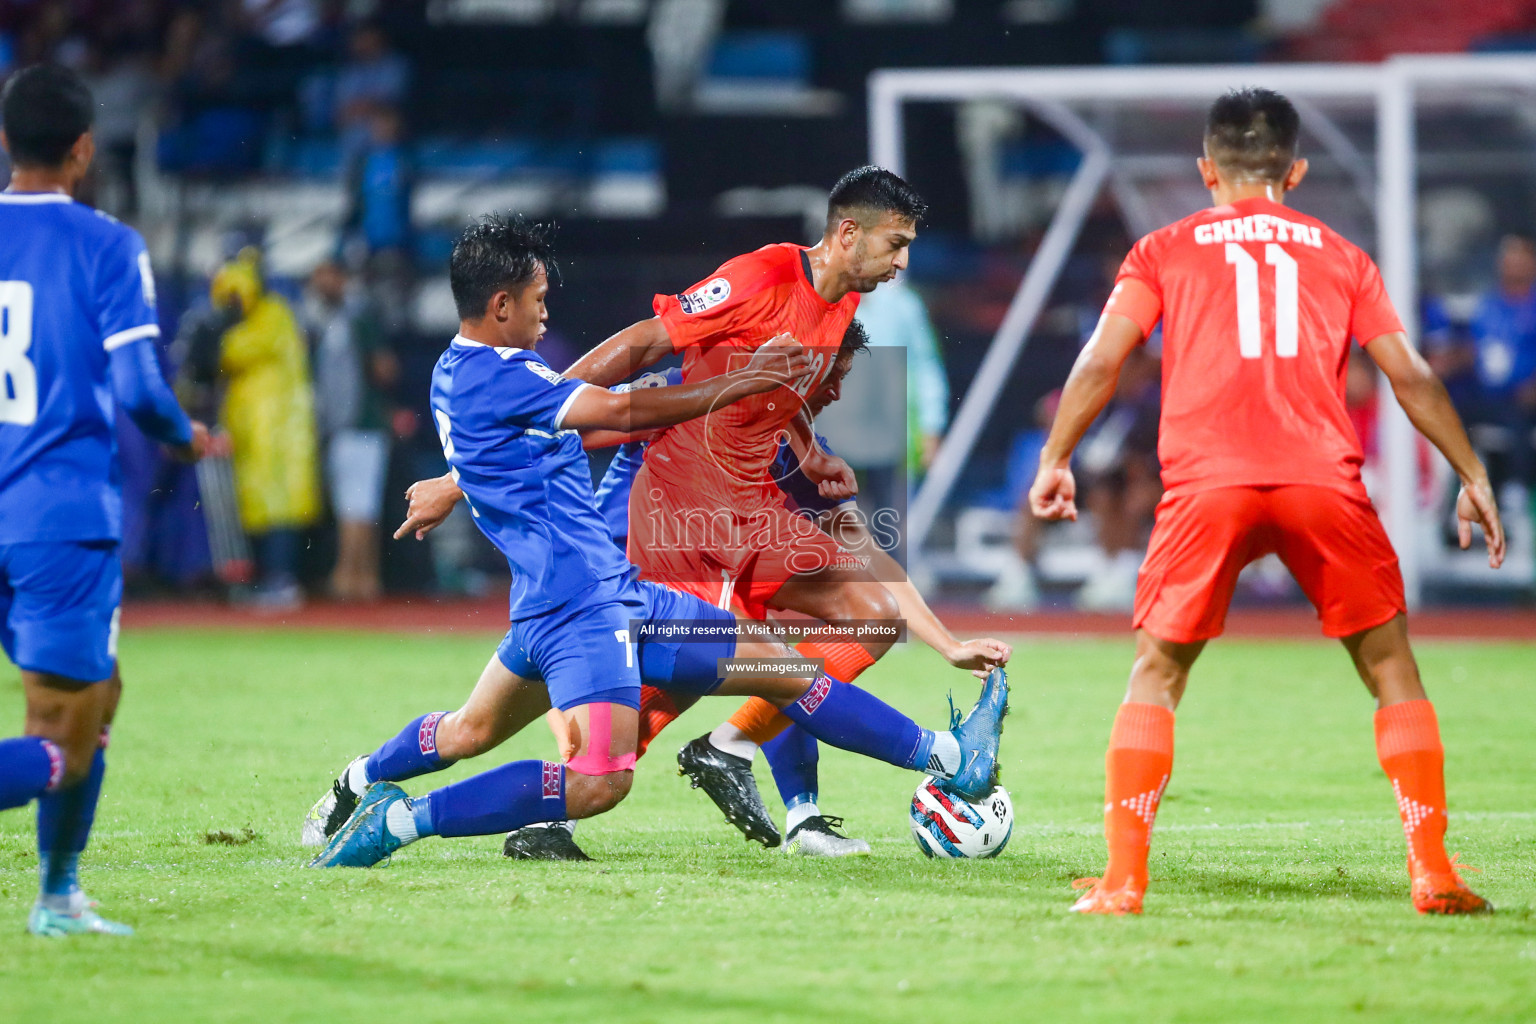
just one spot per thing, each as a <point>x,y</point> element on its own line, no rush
<point>1258,227</point>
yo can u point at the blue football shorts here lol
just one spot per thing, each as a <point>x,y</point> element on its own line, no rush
<point>59,603</point>
<point>586,654</point>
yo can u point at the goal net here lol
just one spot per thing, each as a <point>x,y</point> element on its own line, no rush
<point>1422,161</point>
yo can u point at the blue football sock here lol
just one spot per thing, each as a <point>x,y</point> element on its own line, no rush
<point>853,719</point>
<point>412,753</point>
<point>64,820</point>
<point>28,766</point>
<point>500,800</point>
<point>792,756</point>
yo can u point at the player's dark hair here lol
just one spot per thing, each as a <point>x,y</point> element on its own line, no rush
<point>45,109</point>
<point>1252,133</point>
<point>498,252</point>
<point>855,340</point>
<point>869,193</point>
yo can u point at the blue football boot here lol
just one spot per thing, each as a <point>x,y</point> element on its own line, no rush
<point>365,839</point>
<point>978,734</point>
<point>53,924</point>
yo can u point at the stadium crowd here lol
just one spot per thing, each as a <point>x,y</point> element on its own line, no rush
<point>232,91</point>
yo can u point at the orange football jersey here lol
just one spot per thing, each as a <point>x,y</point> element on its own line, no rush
<point>726,455</point>
<point>1258,305</point>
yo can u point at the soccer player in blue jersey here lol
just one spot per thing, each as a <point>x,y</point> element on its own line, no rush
<point>77,330</point>
<point>580,619</point>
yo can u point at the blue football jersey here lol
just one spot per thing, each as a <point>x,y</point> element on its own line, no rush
<point>74,285</point>
<point>498,413</point>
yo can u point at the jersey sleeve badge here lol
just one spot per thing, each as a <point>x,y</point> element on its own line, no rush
<point>544,371</point>
<point>707,296</point>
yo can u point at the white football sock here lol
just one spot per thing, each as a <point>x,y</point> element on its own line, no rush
<point>798,813</point>
<point>732,740</point>
<point>401,822</point>
<point>569,825</point>
<point>357,776</point>
<point>944,757</point>
<point>63,903</point>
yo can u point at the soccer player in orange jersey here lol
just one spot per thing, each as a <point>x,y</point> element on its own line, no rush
<point>1259,305</point>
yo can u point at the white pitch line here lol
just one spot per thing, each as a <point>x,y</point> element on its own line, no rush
<point>1042,828</point>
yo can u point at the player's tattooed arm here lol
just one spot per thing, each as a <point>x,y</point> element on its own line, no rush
<point>623,355</point>
<point>1090,386</point>
<point>779,361</point>
<point>430,502</point>
<point>847,527</point>
<point>1424,399</point>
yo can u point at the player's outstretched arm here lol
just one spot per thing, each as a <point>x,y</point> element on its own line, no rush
<point>623,355</point>
<point>1429,408</point>
<point>778,362</point>
<point>1090,386</point>
<point>980,657</point>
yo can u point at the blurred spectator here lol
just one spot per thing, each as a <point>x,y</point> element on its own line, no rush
<point>1118,484</point>
<point>374,77</point>
<point>1016,586</point>
<point>1502,410</point>
<point>379,216</point>
<point>124,86</point>
<point>354,371</point>
<point>248,346</point>
<point>1120,480</point>
<point>283,23</point>
<point>878,434</point>
<point>1447,348</point>
<point>198,58</point>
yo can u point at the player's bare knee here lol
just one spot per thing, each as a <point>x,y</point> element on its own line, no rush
<point>1385,662</point>
<point>874,601</point>
<point>462,735</point>
<point>77,762</point>
<point>589,795</point>
<point>1159,674</point>
<point>781,693</point>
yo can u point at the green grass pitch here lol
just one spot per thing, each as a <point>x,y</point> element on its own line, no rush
<point>1279,891</point>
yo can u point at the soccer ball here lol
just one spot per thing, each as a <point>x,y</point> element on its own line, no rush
<point>945,824</point>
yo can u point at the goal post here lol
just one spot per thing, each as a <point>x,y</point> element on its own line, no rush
<point>1089,107</point>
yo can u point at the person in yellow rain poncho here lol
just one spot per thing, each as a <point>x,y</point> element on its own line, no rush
<point>267,411</point>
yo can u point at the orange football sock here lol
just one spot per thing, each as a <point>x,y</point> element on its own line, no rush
<point>1137,767</point>
<point>759,721</point>
<point>845,661</point>
<point>1408,745</point>
<point>657,711</point>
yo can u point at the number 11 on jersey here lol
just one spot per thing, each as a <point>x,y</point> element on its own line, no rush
<point>1250,342</point>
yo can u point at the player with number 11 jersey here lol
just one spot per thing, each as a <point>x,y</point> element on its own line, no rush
<point>1260,308</point>
<point>1286,276</point>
